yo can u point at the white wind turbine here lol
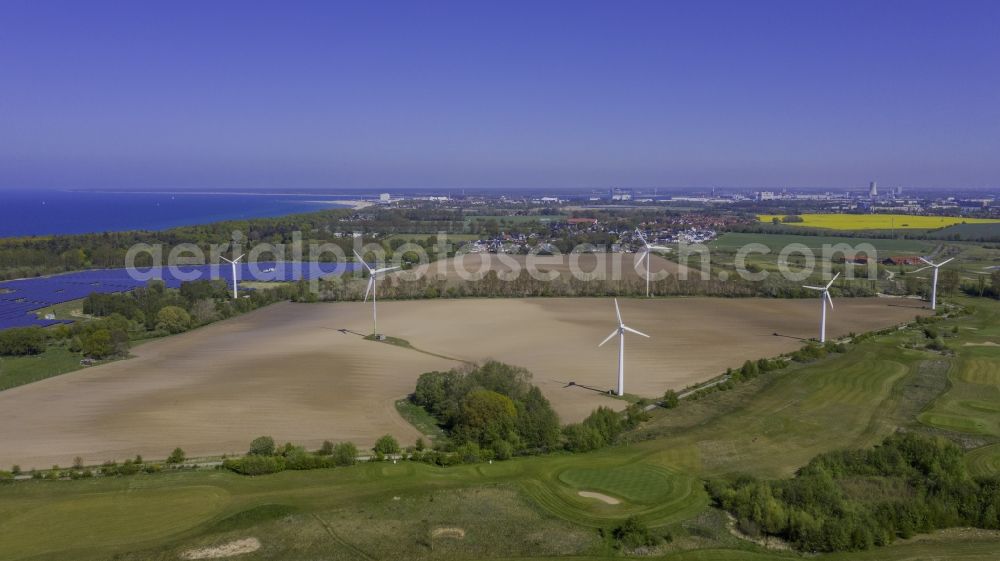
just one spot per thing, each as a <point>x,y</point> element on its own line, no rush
<point>372,276</point>
<point>233,263</point>
<point>933,282</point>
<point>646,248</point>
<point>824,298</point>
<point>620,332</point>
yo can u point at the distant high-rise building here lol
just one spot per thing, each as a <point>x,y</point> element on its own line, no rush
<point>618,194</point>
<point>873,189</point>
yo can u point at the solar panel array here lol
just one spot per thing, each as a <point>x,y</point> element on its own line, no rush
<point>18,298</point>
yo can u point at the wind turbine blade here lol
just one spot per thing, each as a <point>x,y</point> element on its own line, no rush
<point>829,284</point>
<point>642,237</point>
<point>240,257</point>
<point>645,254</point>
<point>371,284</point>
<point>813,287</point>
<point>829,299</point>
<point>385,269</point>
<point>945,261</point>
<point>224,259</point>
<point>926,261</point>
<point>618,312</point>
<point>362,261</point>
<point>637,332</point>
<point>613,333</point>
<point>920,269</point>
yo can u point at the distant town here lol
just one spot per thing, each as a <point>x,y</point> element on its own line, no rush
<point>872,198</point>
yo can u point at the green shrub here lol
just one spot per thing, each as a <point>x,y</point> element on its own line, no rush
<point>255,465</point>
<point>344,454</point>
<point>469,453</point>
<point>129,468</point>
<point>173,319</point>
<point>176,457</point>
<point>583,438</point>
<point>937,345</point>
<point>386,445</point>
<point>670,399</point>
<point>635,414</point>
<point>487,417</point>
<point>298,458</point>
<point>633,533</point>
<point>326,449</point>
<point>21,341</point>
<point>262,446</point>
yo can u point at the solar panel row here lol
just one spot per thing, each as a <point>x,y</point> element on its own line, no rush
<point>18,298</point>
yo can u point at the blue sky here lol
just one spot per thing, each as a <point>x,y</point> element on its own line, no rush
<point>498,94</point>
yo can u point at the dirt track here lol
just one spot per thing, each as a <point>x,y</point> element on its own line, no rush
<point>287,371</point>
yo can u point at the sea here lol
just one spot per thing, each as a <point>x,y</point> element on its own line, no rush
<point>50,212</point>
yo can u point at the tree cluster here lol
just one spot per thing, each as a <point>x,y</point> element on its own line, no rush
<point>493,407</point>
<point>21,341</point>
<point>853,500</point>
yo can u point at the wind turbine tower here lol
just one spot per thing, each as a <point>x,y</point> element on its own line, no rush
<point>233,263</point>
<point>824,297</point>
<point>372,278</point>
<point>933,282</point>
<point>644,254</point>
<point>620,332</point>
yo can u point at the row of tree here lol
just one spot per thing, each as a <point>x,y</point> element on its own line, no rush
<point>264,457</point>
<point>491,285</point>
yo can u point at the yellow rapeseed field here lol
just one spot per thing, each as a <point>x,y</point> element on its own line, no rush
<point>875,221</point>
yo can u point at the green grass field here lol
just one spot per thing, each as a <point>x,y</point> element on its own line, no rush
<point>72,310</point>
<point>988,231</point>
<point>421,419</point>
<point>776,242</point>
<point>16,371</point>
<point>725,247</point>
<point>531,507</point>
<point>972,403</point>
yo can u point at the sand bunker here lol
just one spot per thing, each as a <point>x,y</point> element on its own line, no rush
<point>448,533</point>
<point>231,549</point>
<point>599,496</point>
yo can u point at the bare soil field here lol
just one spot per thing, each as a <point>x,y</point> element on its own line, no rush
<point>692,339</point>
<point>289,371</point>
